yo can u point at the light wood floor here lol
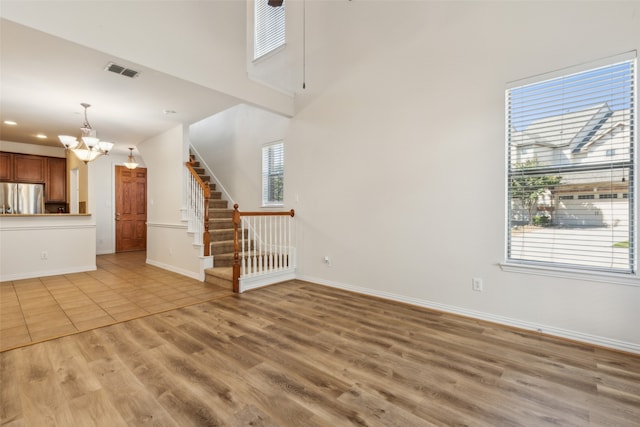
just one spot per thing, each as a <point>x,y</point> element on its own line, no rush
<point>299,354</point>
<point>122,288</point>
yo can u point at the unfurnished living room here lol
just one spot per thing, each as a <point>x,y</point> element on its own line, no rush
<point>319,212</point>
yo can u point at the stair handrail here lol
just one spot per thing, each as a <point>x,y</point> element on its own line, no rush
<point>202,204</point>
<point>237,215</point>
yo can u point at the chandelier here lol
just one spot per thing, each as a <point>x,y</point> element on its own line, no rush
<point>131,161</point>
<point>88,148</point>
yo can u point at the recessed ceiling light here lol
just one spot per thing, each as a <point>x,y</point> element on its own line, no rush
<point>10,122</point>
<point>41,136</point>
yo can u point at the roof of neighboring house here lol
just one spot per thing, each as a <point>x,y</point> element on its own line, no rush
<point>578,130</point>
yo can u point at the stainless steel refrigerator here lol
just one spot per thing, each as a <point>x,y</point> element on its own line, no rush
<point>21,198</point>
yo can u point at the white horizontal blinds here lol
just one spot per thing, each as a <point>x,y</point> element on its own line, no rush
<point>273,173</point>
<point>571,170</point>
<point>269,28</point>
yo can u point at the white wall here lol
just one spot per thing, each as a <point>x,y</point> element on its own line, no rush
<point>38,150</point>
<point>102,199</point>
<point>168,244</point>
<point>37,246</point>
<point>231,145</point>
<point>397,155</point>
<point>208,36</point>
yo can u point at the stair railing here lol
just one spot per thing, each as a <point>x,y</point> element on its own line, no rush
<point>198,195</point>
<point>263,243</point>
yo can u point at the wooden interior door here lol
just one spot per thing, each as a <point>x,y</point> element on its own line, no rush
<point>131,209</point>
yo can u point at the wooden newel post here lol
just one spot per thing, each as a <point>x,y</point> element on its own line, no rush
<point>206,236</point>
<point>236,249</point>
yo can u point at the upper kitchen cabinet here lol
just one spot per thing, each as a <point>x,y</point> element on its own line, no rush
<point>6,167</point>
<point>29,168</point>
<point>56,185</point>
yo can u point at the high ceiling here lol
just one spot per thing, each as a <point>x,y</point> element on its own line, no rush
<point>43,80</point>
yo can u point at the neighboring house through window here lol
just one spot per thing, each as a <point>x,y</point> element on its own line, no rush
<point>273,174</point>
<point>269,28</point>
<point>570,151</point>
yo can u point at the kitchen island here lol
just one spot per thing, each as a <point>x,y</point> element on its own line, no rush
<point>46,245</point>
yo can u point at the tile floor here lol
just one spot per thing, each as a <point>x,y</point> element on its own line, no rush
<point>123,287</point>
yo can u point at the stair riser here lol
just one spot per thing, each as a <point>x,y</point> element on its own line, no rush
<point>225,234</point>
<point>218,204</point>
<point>221,224</point>
<point>227,247</point>
<point>220,213</point>
<point>218,281</point>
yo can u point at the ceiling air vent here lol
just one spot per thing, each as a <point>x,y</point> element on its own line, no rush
<point>118,69</point>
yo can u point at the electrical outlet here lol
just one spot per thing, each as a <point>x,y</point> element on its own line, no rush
<point>476,284</point>
<point>327,260</point>
<point>44,255</point>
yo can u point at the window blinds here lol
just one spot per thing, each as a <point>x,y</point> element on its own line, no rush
<point>571,169</point>
<point>273,174</point>
<point>269,28</point>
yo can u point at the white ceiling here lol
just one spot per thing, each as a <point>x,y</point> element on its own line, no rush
<point>44,79</point>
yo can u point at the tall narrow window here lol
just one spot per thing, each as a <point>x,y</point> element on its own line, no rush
<point>273,174</point>
<point>269,28</point>
<point>571,159</point>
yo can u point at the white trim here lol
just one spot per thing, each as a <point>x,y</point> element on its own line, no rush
<point>566,273</point>
<point>166,225</point>
<point>46,227</point>
<point>248,283</point>
<point>174,269</point>
<point>58,272</point>
<point>508,321</point>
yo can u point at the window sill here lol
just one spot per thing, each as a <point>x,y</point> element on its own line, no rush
<point>273,206</point>
<point>565,273</point>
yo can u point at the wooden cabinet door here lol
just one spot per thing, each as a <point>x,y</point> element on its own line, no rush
<point>56,186</point>
<point>6,163</point>
<point>28,168</point>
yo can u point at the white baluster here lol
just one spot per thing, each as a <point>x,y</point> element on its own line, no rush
<point>243,259</point>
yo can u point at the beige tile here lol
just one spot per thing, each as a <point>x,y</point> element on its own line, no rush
<point>88,315</point>
<point>53,322</point>
<point>14,341</point>
<point>94,323</point>
<point>53,332</point>
<point>129,314</point>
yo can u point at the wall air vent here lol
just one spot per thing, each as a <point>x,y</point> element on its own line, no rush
<point>118,69</point>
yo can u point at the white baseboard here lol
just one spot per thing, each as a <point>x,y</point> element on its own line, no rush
<point>508,321</point>
<point>192,274</point>
<point>249,283</point>
<point>58,272</point>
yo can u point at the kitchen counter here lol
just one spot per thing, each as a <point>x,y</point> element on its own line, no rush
<point>42,215</point>
<point>46,244</point>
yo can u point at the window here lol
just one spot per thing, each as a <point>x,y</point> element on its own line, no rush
<point>273,174</point>
<point>573,135</point>
<point>269,28</point>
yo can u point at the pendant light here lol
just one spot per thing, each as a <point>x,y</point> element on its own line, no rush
<point>89,147</point>
<point>131,161</point>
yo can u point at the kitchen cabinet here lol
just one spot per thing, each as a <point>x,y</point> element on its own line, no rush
<point>6,166</point>
<point>56,184</point>
<point>29,168</point>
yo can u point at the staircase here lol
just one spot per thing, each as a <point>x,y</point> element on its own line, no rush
<point>221,232</point>
<point>265,249</point>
